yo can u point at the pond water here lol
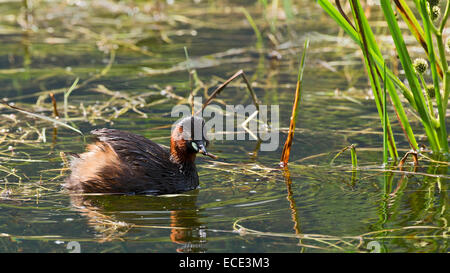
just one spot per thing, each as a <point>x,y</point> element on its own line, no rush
<point>130,61</point>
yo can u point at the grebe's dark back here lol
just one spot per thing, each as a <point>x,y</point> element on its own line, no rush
<point>122,162</point>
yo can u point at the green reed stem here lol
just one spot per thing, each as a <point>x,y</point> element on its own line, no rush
<point>368,41</point>
<point>427,97</point>
<point>354,157</point>
<point>428,27</point>
<point>287,6</point>
<point>259,39</point>
<point>415,28</point>
<point>66,98</point>
<point>385,118</point>
<point>392,79</point>
<point>435,128</point>
<point>410,73</point>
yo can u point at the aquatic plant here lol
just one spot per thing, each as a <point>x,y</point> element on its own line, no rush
<point>416,92</point>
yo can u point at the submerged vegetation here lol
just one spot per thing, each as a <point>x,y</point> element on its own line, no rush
<point>358,172</point>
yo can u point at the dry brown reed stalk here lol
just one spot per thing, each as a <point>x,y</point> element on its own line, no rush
<point>223,85</point>
<point>405,157</point>
<point>287,145</point>
<point>55,108</point>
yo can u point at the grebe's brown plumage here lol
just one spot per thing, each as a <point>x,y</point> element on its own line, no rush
<point>122,162</point>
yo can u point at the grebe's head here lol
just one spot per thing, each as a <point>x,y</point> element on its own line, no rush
<point>188,138</point>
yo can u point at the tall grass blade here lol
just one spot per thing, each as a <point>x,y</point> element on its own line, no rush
<point>442,126</point>
<point>372,46</point>
<point>354,158</point>
<point>66,98</point>
<point>352,153</point>
<point>392,79</point>
<point>385,118</point>
<point>368,40</point>
<point>259,39</point>
<point>287,6</point>
<point>410,73</point>
<point>351,31</point>
<point>55,106</point>
<point>415,28</point>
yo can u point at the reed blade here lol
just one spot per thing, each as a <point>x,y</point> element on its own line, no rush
<point>351,31</point>
<point>442,132</point>
<point>391,81</point>
<point>55,121</point>
<point>259,39</point>
<point>66,98</point>
<point>415,28</point>
<point>385,119</point>
<point>368,41</point>
<point>410,73</point>
<point>352,148</point>
<point>354,157</point>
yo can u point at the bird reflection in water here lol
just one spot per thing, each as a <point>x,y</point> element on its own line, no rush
<point>115,216</point>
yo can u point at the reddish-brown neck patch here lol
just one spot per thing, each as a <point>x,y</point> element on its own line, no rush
<point>179,152</point>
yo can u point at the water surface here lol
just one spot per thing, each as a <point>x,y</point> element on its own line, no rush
<point>245,203</point>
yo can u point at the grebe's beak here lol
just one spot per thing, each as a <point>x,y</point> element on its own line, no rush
<point>202,150</point>
<point>201,147</point>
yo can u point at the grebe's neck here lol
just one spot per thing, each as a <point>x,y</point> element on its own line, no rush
<point>179,152</point>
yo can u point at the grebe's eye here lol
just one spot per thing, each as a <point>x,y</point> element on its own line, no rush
<point>195,146</point>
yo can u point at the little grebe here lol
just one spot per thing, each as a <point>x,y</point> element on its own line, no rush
<point>122,162</point>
